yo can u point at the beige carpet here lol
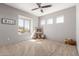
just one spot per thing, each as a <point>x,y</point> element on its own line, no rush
<point>38,48</point>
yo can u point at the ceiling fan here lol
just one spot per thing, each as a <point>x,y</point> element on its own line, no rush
<point>41,7</point>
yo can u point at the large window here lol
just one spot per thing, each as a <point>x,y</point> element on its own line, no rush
<point>23,25</point>
<point>60,19</point>
<point>50,21</point>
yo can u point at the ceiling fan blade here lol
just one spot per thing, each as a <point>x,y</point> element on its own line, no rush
<point>41,10</point>
<point>46,6</point>
<point>35,9</point>
<point>39,4</point>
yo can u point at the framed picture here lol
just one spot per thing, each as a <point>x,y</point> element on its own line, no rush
<point>8,21</point>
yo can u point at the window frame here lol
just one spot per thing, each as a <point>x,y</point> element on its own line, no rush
<point>48,20</point>
<point>59,22</point>
<point>44,22</point>
<point>25,19</point>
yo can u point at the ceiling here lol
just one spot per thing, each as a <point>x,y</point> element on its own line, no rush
<point>27,7</point>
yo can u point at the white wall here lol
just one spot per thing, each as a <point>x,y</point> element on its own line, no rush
<point>61,31</point>
<point>77,25</point>
<point>10,31</point>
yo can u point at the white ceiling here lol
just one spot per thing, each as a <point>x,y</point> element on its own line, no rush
<point>27,7</point>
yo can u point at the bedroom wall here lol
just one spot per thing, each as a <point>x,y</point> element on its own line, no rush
<point>77,26</point>
<point>63,30</point>
<point>9,33</point>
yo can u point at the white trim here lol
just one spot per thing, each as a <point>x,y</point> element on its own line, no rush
<point>24,17</point>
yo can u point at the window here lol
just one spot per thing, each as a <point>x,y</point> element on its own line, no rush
<point>27,25</point>
<point>50,21</point>
<point>42,22</point>
<point>23,25</point>
<point>60,19</point>
<point>20,23</point>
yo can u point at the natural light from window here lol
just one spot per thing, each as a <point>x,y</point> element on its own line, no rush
<point>23,25</point>
<point>50,21</point>
<point>20,22</point>
<point>60,19</point>
<point>27,25</point>
<point>42,22</point>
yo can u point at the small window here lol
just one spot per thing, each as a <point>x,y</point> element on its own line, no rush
<point>42,22</point>
<point>50,21</point>
<point>60,19</point>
